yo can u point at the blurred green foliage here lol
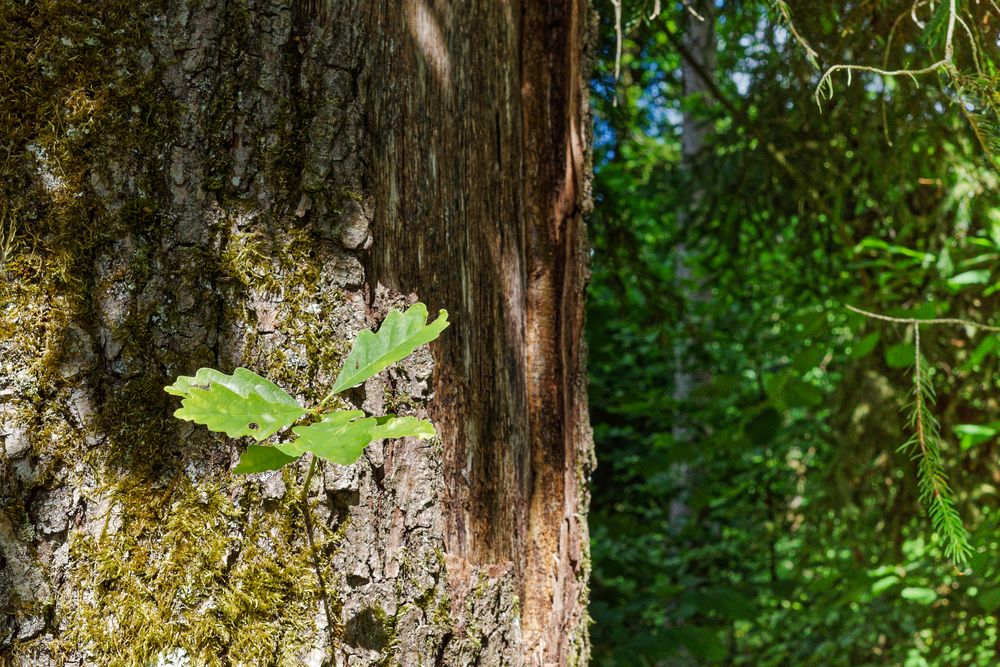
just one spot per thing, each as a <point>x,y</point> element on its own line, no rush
<point>786,530</point>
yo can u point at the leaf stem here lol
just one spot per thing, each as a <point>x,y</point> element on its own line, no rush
<point>307,516</point>
<point>326,399</point>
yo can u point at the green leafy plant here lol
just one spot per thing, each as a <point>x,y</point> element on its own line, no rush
<point>246,404</point>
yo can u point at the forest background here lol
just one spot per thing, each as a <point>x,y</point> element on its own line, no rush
<point>755,503</point>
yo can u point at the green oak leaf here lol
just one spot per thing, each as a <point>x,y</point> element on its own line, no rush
<point>339,437</point>
<point>240,404</point>
<point>262,459</point>
<point>391,426</point>
<point>399,335</point>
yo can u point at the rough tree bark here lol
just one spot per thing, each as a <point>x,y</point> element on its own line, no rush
<point>249,182</point>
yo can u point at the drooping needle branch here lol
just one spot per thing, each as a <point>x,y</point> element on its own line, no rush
<point>925,443</point>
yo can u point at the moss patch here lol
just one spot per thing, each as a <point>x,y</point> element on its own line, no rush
<point>295,317</point>
<point>75,88</point>
<point>78,88</point>
<point>199,567</point>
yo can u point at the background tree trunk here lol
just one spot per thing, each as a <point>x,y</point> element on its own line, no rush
<point>249,182</point>
<point>699,47</point>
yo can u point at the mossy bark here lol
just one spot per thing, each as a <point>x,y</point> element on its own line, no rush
<point>248,183</point>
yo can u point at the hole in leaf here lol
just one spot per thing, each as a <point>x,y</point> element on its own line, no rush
<point>253,426</point>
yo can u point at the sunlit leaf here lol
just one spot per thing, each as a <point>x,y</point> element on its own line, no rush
<point>884,584</point>
<point>240,404</point>
<point>391,426</point>
<point>919,595</point>
<point>400,334</point>
<point>976,277</point>
<point>339,437</point>
<point>974,434</point>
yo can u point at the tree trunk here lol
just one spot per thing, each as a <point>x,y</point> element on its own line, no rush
<point>248,183</point>
<point>699,44</point>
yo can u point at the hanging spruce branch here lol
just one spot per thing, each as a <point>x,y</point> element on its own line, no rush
<point>924,446</point>
<point>925,443</point>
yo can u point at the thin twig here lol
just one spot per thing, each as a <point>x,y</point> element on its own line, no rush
<point>691,10</point>
<point>917,321</point>
<point>972,45</point>
<point>945,63</point>
<point>787,15</point>
<point>826,79</point>
<point>885,65</point>
<point>949,46</point>
<point>913,15</point>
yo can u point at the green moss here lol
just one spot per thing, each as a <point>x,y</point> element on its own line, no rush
<point>135,415</point>
<point>399,402</point>
<point>78,96</point>
<point>579,652</point>
<point>245,260</point>
<point>197,567</point>
<point>76,92</point>
<point>268,265</point>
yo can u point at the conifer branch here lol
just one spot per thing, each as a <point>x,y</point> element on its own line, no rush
<point>925,445</point>
<point>932,481</point>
